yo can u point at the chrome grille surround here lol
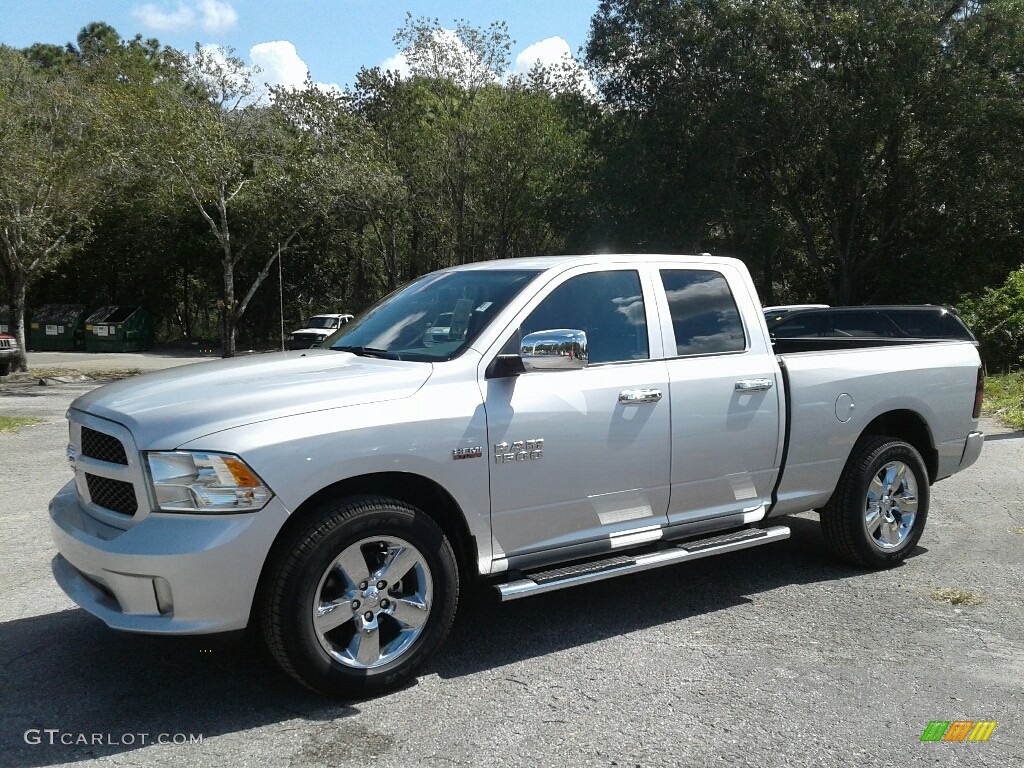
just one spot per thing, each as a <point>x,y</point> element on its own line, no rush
<point>107,489</point>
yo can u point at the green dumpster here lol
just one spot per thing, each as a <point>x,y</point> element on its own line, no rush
<point>119,329</point>
<point>57,328</point>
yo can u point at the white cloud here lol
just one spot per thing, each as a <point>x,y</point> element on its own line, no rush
<point>397,63</point>
<point>165,21</point>
<point>553,53</point>
<point>218,16</point>
<point>212,15</point>
<point>280,62</point>
<point>550,52</point>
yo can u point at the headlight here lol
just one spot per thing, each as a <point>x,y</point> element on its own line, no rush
<point>189,481</point>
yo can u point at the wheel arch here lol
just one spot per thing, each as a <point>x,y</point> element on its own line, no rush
<point>421,492</point>
<point>910,427</point>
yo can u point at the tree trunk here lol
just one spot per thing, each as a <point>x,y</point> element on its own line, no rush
<point>227,342</point>
<point>17,288</point>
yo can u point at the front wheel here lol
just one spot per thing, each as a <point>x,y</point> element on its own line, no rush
<point>360,597</point>
<point>877,514</point>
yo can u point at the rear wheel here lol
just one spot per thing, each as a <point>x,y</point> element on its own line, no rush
<point>877,514</point>
<point>361,597</point>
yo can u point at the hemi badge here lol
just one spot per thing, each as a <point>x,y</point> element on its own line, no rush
<point>468,453</point>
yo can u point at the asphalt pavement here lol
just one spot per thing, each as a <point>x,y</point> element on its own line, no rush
<point>774,656</point>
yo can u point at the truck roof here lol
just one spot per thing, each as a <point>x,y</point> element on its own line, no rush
<point>547,262</point>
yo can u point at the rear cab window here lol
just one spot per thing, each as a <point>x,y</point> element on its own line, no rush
<point>705,318</point>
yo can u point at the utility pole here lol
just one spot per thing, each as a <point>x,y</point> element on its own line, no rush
<point>280,292</point>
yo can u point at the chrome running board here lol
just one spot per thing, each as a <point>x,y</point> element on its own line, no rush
<point>584,573</point>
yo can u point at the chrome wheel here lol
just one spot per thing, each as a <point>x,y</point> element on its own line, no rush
<point>891,505</point>
<point>879,509</point>
<point>372,602</point>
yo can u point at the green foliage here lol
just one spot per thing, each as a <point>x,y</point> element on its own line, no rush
<point>56,163</point>
<point>996,316</point>
<point>849,151</point>
<point>840,137</point>
<point>1004,399</point>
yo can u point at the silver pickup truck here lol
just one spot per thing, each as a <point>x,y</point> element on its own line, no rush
<point>578,418</point>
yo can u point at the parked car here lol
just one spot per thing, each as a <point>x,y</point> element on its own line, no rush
<point>895,322</point>
<point>317,328</point>
<point>8,351</point>
<point>584,418</point>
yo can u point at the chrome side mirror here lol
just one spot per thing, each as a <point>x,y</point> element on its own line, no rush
<point>559,349</point>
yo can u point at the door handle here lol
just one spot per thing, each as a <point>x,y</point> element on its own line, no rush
<point>637,396</point>
<point>754,385</point>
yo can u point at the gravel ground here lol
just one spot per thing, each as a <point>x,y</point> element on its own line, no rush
<point>770,657</point>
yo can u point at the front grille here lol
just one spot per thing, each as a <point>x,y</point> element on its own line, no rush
<point>115,495</point>
<point>5,344</point>
<point>97,445</point>
<point>304,340</point>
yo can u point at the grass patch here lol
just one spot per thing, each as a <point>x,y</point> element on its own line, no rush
<point>112,373</point>
<point>13,423</point>
<point>957,596</point>
<point>1004,398</point>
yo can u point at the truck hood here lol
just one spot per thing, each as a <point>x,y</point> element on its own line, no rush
<point>323,331</point>
<point>165,409</point>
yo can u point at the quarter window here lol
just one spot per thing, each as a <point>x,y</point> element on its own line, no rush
<point>704,315</point>
<point>608,306</point>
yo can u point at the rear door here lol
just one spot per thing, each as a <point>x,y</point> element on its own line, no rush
<point>725,389</point>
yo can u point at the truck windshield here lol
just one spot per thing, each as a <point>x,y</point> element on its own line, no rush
<point>433,318</point>
<point>321,321</point>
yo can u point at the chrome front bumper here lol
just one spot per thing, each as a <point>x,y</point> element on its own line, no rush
<point>167,574</point>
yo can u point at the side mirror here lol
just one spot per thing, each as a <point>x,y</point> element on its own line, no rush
<point>560,349</point>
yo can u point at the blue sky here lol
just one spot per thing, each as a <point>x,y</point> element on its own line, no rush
<point>333,38</point>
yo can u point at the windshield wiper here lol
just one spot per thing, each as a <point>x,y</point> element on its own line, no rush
<point>369,352</point>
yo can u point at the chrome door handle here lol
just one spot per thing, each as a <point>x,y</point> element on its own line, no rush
<point>637,396</point>
<point>754,385</point>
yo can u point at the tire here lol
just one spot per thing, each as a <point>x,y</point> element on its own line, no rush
<point>878,511</point>
<point>383,580</point>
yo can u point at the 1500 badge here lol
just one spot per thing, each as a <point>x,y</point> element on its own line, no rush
<point>520,450</point>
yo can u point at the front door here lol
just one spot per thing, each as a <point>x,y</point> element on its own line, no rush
<point>571,460</point>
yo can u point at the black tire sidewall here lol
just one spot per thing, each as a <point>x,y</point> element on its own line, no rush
<point>855,506</point>
<point>292,593</point>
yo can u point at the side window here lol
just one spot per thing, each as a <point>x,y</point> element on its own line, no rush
<point>704,314</point>
<point>608,306</point>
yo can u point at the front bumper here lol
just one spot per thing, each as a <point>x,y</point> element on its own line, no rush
<point>168,574</point>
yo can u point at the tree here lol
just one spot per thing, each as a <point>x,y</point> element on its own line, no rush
<point>818,121</point>
<point>485,166</point>
<point>55,163</point>
<point>258,174</point>
<point>70,139</point>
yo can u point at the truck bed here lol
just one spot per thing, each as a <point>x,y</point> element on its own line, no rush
<point>929,385</point>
